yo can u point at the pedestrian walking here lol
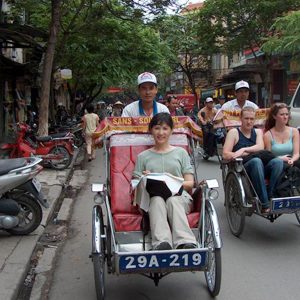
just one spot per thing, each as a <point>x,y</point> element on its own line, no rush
<point>90,123</point>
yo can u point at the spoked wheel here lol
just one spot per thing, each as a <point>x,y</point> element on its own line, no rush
<point>30,216</point>
<point>99,274</point>
<point>296,192</point>
<point>109,248</point>
<point>99,258</point>
<point>63,159</point>
<point>224,168</point>
<point>235,212</point>
<point>214,268</point>
<point>297,214</point>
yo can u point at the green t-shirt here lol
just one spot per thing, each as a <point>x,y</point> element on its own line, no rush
<point>176,162</point>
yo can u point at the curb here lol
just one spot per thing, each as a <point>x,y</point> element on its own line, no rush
<point>18,263</point>
<point>45,267</point>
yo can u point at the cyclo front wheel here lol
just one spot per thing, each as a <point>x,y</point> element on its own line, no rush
<point>99,258</point>
<point>295,192</point>
<point>214,268</point>
<point>235,212</point>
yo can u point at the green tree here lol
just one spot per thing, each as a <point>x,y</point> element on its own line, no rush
<point>110,51</point>
<point>285,38</point>
<point>99,55</point>
<point>187,50</point>
<point>239,24</point>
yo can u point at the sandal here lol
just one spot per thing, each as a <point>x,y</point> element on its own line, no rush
<point>265,211</point>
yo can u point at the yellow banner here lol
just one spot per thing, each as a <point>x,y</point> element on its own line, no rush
<point>140,124</point>
<point>232,118</point>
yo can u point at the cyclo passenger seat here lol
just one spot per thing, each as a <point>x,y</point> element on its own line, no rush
<point>124,149</point>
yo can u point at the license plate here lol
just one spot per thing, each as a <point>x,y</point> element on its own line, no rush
<point>286,204</point>
<point>36,184</point>
<point>194,259</point>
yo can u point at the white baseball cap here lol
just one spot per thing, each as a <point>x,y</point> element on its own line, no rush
<point>241,84</point>
<point>209,99</point>
<point>147,77</point>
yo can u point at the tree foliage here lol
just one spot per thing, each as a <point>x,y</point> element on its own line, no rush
<point>239,24</point>
<point>103,42</point>
<point>188,51</point>
<point>285,38</point>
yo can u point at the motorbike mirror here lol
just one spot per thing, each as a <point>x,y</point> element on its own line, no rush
<point>34,125</point>
<point>203,114</point>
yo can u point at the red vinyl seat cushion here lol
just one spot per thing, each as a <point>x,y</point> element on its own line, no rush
<point>122,161</point>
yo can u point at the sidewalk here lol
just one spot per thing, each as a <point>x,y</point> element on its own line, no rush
<point>16,251</point>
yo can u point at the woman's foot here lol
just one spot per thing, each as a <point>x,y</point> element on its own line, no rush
<point>163,246</point>
<point>265,210</point>
<point>187,246</point>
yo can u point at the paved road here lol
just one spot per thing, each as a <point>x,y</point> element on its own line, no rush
<point>263,264</point>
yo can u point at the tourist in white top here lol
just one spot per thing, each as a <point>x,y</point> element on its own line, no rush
<point>146,106</point>
<point>242,95</point>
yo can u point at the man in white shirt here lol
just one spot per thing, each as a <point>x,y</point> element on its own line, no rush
<point>146,106</point>
<point>242,95</point>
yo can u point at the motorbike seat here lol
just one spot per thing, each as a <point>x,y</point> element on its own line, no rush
<point>58,135</point>
<point>9,207</point>
<point>45,138</point>
<point>7,165</point>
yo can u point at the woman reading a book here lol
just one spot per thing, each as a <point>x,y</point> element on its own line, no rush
<point>168,220</point>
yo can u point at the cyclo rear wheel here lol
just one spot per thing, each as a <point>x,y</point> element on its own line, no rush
<point>99,258</point>
<point>214,268</point>
<point>235,212</point>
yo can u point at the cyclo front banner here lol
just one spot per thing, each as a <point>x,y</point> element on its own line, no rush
<point>140,125</point>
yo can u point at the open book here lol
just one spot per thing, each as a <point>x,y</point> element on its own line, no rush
<point>164,185</point>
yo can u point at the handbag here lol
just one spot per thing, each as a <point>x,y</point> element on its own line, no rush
<point>264,155</point>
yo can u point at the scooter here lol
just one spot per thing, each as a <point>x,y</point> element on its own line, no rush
<point>73,127</point>
<point>55,151</point>
<point>21,197</point>
<point>211,139</point>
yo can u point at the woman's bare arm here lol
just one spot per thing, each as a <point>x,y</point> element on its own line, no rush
<point>188,182</point>
<point>230,141</point>
<point>267,141</point>
<point>295,145</point>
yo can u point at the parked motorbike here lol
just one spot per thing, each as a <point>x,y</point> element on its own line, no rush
<point>21,197</point>
<point>73,127</point>
<point>55,151</point>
